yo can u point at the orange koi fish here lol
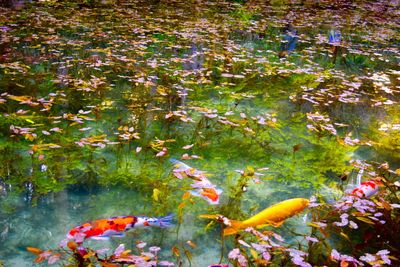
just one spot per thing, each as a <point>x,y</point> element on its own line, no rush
<point>102,229</point>
<point>274,215</point>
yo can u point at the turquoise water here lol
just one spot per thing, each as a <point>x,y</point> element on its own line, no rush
<point>300,94</point>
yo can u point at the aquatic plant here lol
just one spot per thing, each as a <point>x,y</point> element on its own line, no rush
<point>353,231</point>
<point>77,255</point>
<point>288,94</point>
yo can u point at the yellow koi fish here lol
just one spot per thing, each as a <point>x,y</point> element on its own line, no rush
<point>274,215</point>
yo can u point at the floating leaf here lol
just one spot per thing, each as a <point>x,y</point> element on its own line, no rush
<point>176,251</point>
<point>366,220</point>
<point>156,194</point>
<point>34,250</point>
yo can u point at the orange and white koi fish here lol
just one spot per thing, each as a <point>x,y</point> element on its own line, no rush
<point>102,229</point>
<point>367,189</point>
<point>274,215</point>
<point>211,195</point>
<point>202,186</point>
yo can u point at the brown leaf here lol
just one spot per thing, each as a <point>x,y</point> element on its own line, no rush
<point>176,251</point>
<point>297,147</point>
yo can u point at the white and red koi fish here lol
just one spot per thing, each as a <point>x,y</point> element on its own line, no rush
<point>367,189</point>
<point>202,186</point>
<point>102,229</point>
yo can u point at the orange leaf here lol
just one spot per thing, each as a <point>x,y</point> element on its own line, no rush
<point>34,250</point>
<point>72,245</point>
<point>191,244</point>
<point>39,259</point>
<point>186,195</point>
<point>176,251</point>
<point>182,205</point>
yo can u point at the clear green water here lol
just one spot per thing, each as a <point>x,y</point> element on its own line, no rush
<point>95,85</point>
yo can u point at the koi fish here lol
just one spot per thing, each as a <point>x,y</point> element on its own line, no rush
<point>202,186</point>
<point>211,195</point>
<point>102,229</point>
<point>366,189</point>
<point>274,215</point>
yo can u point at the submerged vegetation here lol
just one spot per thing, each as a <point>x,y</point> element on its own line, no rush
<point>211,110</point>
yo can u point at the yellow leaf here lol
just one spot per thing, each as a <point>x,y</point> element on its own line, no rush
<point>30,121</point>
<point>209,225</point>
<point>29,137</point>
<point>314,225</point>
<point>210,216</point>
<point>186,195</point>
<point>126,253</point>
<point>188,254</point>
<point>254,253</point>
<point>366,220</point>
<point>89,254</point>
<point>156,194</point>
<point>19,85</point>
<point>345,236</point>
<point>74,123</point>
<point>249,171</point>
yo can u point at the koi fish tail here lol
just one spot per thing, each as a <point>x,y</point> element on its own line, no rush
<point>235,227</point>
<point>166,221</point>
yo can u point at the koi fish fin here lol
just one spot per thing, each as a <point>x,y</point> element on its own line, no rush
<point>235,227</point>
<point>166,221</point>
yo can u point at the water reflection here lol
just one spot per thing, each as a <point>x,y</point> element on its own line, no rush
<point>289,40</point>
<point>15,4</point>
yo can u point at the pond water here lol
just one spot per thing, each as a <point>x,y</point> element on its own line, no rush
<point>96,98</point>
